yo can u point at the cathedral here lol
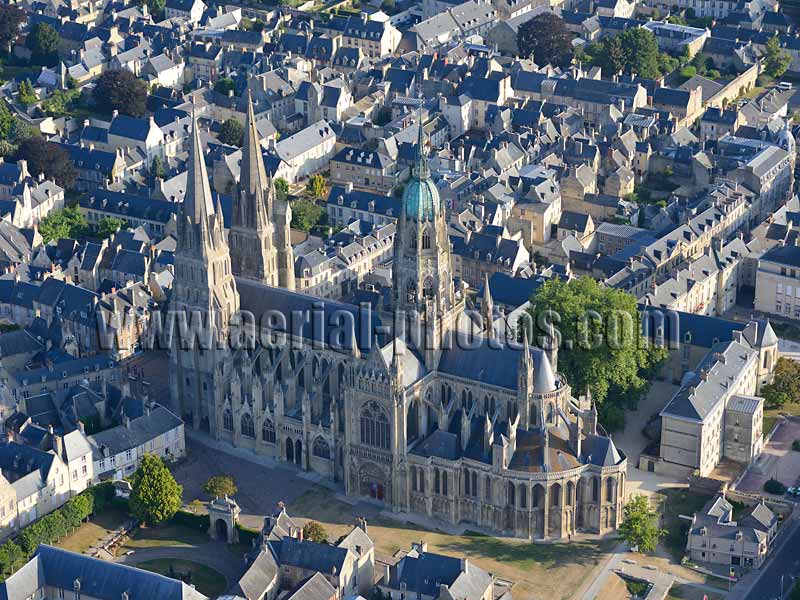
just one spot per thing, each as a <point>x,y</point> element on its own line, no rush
<point>397,402</point>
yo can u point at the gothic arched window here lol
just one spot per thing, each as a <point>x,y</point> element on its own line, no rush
<point>268,431</point>
<point>248,428</point>
<point>444,483</point>
<point>227,420</point>
<point>374,426</point>
<point>609,489</point>
<point>426,240</point>
<point>321,448</point>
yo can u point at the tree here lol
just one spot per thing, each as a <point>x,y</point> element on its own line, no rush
<point>640,524</point>
<point>785,386</point>
<point>157,167</point>
<point>231,132</point>
<point>776,59</point>
<point>156,7</point>
<point>11,17</point>
<point>155,495</point>
<point>547,38</point>
<point>61,103</point>
<point>281,188</point>
<point>640,51</point>
<point>224,86</point>
<point>316,186</point>
<point>196,505</point>
<point>773,486</point>
<point>600,333</point>
<point>306,215</point>
<point>65,223</point>
<point>48,158</point>
<point>219,486</point>
<point>315,532</point>
<point>109,226</point>
<point>6,120</point>
<point>27,95</point>
<point>43,41</point>
<point>119,89</point>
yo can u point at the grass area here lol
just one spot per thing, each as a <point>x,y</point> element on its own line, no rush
<point>681,591</point>
<point>676,502</point>
<point>205,579</point>
<point>88,534</point>
<point>552,571</point>
<point>168,534</point>
<point>771,415</point>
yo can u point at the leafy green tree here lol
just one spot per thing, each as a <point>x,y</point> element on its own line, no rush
<point>547,39</point>
<point>119,89</point>
<point>225,85</point>
<point>640,524</point>
<point>315,532</point>
<point>11,558</point>
<point>27,95</point>
<point>43,41</point>
<point>155,495</point>
<point>11,18</point>
<point>219,486</point>
<point>48,158</point>
<point>306,215</point>
<point>776,59</point>
<point>640,50</point>
<point>107,226</point>
<point>281,188</point>
<point>62,103</point>
<point>688,72</point>
<point>600,340</point>
<point>157,167</point>
<point>316,186</point>
<point>65,223</point>
<point>156,7</point>
<point>785,386</point>
<point>6,121</point>
<point>231,132</point>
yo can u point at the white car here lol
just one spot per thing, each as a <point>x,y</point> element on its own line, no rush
<point>784,85</point>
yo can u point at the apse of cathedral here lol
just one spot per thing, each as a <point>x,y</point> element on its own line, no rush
<point>461,430</point>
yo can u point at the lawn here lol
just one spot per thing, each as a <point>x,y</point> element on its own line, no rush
<point>675,502</point>
<point>771,415</point>
<point>88,534</point>
<point>681,591</point>
<point>552,571</point>
<point>168,534</point>
<point>205,579</point>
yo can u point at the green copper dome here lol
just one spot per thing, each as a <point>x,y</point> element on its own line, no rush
<point>421,198</point>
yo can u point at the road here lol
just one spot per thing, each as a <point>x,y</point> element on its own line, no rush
<point>786,562</point>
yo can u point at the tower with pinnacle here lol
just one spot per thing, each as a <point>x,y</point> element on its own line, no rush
<point>260,239</point>
<point>204,299</point>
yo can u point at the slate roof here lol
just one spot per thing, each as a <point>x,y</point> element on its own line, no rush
<point>309,555</point>
<point>139,431</point>
<point>56,568</point>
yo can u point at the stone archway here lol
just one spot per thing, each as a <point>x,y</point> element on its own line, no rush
<point>221,529</point>
<point>372,482</point>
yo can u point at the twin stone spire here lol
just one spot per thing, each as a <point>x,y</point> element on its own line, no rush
<point>259,241</point>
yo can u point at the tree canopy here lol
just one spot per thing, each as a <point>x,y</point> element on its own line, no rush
<point>307,214</point>
<point>107,226</point>
<point>281,188</point>
<point>27,95</point>
<point>65,223</point>
<point>48,158</point>
<point>315,532</point>
<point>776,59</point>
<point>600,340</point>
<point>43,41</point>
<point>316,186</point>
<point>119,89</point>
<point>225,85</point>
<point>11,17</point>
<point>219,486</point>
<point>155,495</point>
<point>632,51</point>
<point>640,524</point>
<point>231,132</point>
<point>547,38</point>
<point>785,386</point>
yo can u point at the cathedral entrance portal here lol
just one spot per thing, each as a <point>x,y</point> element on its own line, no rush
<point>372,482</point>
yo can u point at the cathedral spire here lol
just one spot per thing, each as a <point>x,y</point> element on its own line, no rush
<point>253,174</point>
<point>487,308</point>
<point>198,205</point>
<point>421,170</point>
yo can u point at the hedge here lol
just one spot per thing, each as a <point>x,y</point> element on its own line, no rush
<point>246,535</point>
<point>191,520</point>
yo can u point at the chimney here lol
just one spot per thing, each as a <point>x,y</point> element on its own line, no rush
<point>386,574</point>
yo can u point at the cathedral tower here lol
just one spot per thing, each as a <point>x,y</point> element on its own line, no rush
<point>204,298</point>
<point>423,290</point>
<point>252,236</point>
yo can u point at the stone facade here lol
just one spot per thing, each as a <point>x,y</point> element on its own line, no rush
<point>485,433</point>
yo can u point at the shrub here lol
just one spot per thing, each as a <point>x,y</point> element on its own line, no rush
<point>191,520</point>
<point>773,486</point>
<point>246,535</point>
<point>796,445</point>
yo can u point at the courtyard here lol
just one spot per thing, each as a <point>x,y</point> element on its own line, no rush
<point>778,460</point>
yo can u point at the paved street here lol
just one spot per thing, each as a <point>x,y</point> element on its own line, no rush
<point>261,486</point>
<point>785,562</point>
<point>778,460</point>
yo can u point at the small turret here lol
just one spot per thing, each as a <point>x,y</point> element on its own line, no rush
<point>487,308</point>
